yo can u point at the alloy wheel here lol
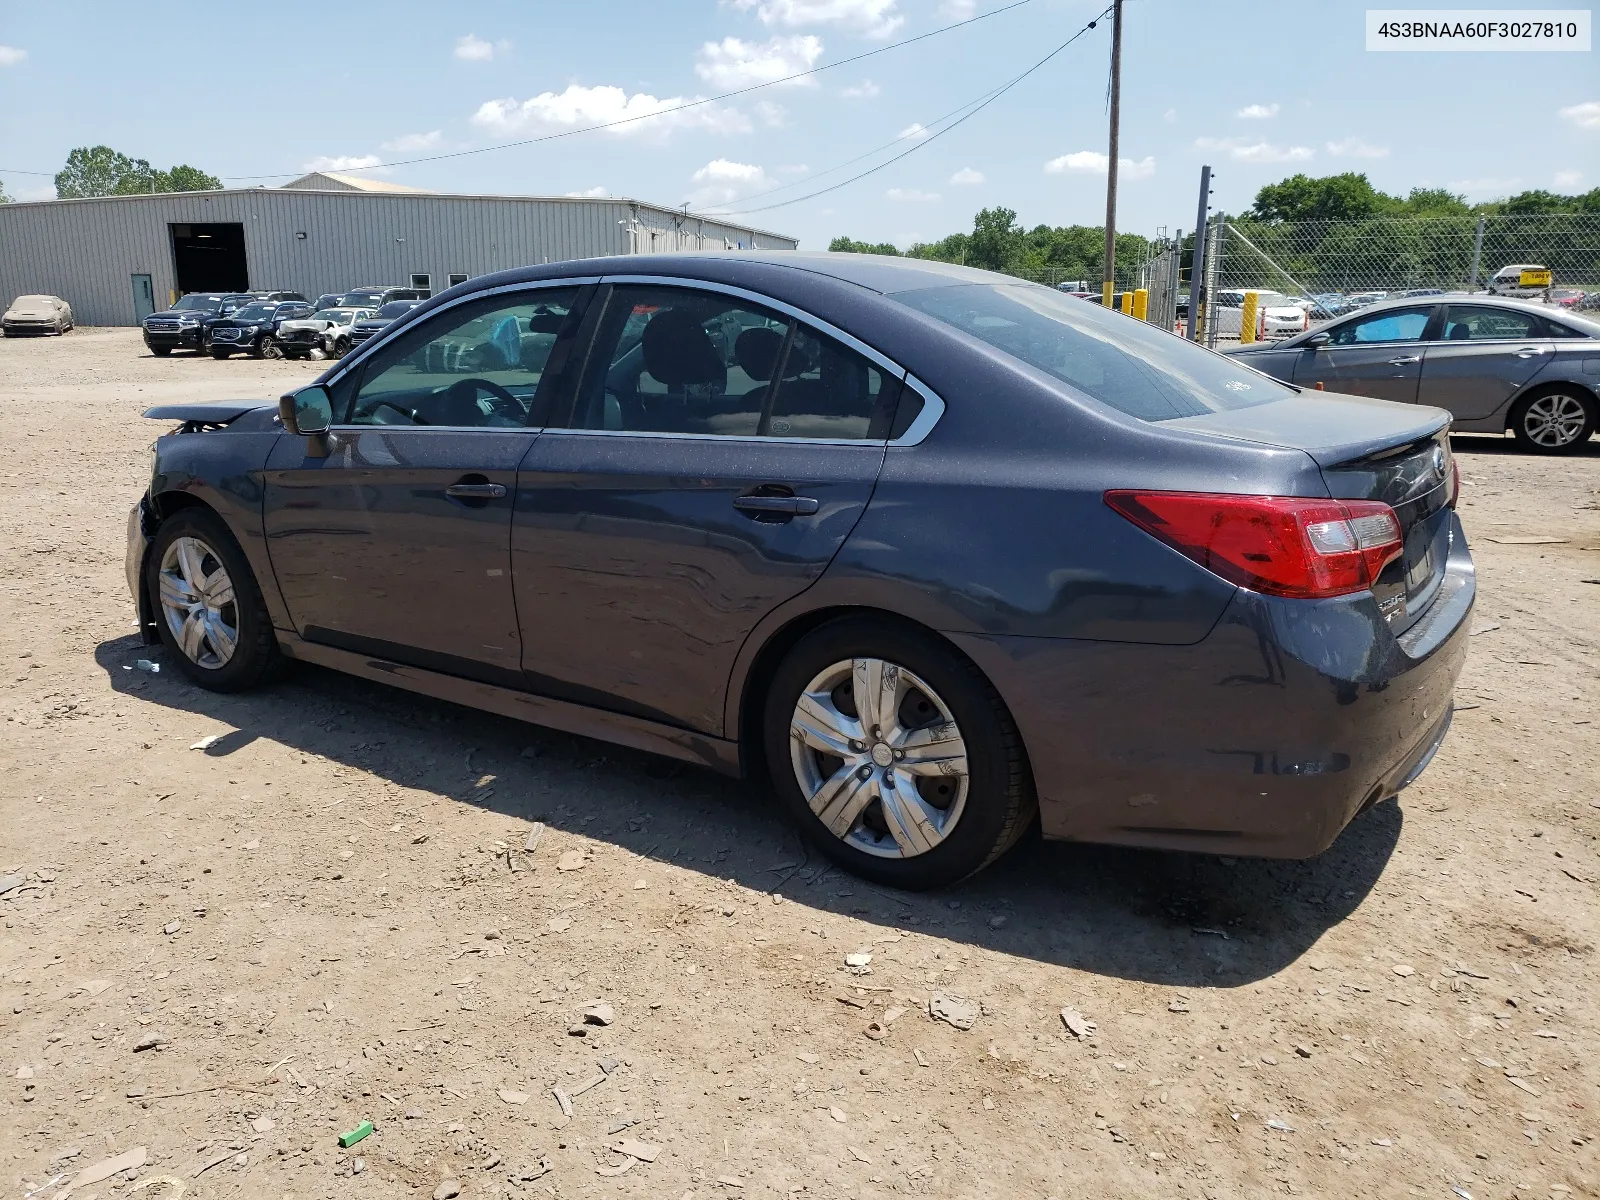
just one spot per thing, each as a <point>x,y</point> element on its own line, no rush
<point>270,347</point>
<point>879,758</point>
<point>198,604</point>
<point>1554,421</point>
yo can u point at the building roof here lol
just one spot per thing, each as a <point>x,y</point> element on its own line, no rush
<point>327,181</point>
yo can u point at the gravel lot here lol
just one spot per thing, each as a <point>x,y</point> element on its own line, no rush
<point>327,916</point>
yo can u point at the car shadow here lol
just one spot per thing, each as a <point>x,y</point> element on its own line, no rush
<point>1496,443</point>
<point>1177,919</point>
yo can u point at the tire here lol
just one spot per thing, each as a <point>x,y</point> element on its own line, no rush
<point>192,545</point>
<point>269,347</point>
<point>341,347</point>
<point>161,351</point>
<point>1557,419</point>
<point>218,352</point>
<point>960,823</point>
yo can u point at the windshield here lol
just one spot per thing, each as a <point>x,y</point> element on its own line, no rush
<point>394,308</point>
<point>339,316</point>
<point>255,312</point>
<point>359,299</point>
<point>1125,363</point>
<point>198,304</point>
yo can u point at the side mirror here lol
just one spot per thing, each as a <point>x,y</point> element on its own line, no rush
<point>308,411</point>
<point>1317,340</point>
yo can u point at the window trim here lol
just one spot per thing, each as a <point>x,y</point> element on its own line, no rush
<point>933,405</point>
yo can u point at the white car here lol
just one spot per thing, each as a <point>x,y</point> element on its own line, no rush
<point>1276,314</point>
<point>1523,281</point>
<point>37,314</point>
<point>327,330</point>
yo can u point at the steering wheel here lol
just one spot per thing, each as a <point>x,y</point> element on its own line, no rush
<point>465,391</point>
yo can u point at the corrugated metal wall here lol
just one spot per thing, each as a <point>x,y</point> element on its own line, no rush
<point>87,251</point>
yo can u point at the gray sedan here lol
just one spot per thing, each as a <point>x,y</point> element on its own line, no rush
<point>1496,364</point>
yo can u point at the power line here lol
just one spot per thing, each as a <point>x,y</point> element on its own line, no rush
<point>985,102</point>
<point>566,133</point>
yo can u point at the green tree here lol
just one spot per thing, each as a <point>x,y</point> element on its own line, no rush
<point>102,171</point>
<point>4,197</point>
<point>1435,202</point>
<point>845,245</point>
<point>1344,197</point>
<point>996,241</point>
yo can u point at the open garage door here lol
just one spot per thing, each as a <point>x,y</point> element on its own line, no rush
<point>210,258</point>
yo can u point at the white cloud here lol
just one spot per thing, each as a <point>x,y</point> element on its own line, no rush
<point>958,10</point>
<point>1257,112</point>
<point>1584,116</point>
<point>44,192</point>
<point>1489,185</point>
<point>865,90</point>
<point>1568,179</point>
<point>873,18</point>
<point>582,107</point>
<point>410,143</point>
<point>914,132</point>
<point>722,180</point>
<point>732,63</point>
<point>1170,115</point>
<point>912,195</point>
<point>10,56</point>
<point>966,176</point>
<point>342,162</point>
<point>472,48</point>
<point>595,193</point>
<point>1353,147</point>
<point>1244,150</point>
<point>1092,162</point>
<point>774,116</point>
<point>794,169</point>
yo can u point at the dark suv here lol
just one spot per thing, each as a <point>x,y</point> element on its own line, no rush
<point>253,329</point>
<point>378,321</point>
<point>376,296</point>
<point>187,324</point>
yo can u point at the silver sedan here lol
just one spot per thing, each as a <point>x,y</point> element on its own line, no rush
<point>1496,364</point>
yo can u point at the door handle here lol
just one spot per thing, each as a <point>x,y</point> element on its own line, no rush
<point>783,505</point>
<point>475,491</point>
<point>1530,351</point>
<point>1400,362</point>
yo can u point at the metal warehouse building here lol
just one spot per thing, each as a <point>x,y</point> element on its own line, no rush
<point>117,258</point>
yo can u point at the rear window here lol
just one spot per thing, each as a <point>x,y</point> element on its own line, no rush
<point>1125,363</point>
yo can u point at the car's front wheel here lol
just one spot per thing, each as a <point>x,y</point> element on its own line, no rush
<point>1553,420</point>
<point>210,614</point>
<point>895,755</point>
<point>269,347</point>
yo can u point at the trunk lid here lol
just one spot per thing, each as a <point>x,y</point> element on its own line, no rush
<point>1368,450</point>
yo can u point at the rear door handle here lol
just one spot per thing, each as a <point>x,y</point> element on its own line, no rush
<point>475,491</point>
<point>787,505</point>
<point>1530,351</point>
<point>1400,362</point>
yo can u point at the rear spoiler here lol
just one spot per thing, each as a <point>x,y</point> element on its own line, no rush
<point>199,416</point>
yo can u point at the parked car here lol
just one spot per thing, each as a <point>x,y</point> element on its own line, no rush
<point>277,296</point>
<point>187,324</point>
<point>361,330</point>
<point>1565,297</point>
<point>328,300</point>
<point>35,315</point>
<point>1495,364</point>
<point>1524,281</point>
<point>1362,299</point>
<point>377,296</point>
<point>253,329</point>
<point>1276,314</point>
<point>327,329</point>
<point>931,547</point>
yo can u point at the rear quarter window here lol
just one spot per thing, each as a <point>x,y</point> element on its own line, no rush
<point>1120,361</point>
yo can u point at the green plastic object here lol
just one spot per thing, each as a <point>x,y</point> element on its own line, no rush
<point>347,1140</point>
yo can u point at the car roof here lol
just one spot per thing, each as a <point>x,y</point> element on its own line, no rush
<point>1482,298</point>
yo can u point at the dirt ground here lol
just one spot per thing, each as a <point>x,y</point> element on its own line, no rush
<point>327,916</point>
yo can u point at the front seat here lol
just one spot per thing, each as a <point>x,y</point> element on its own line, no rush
<point>679,354</point>
<point>1459,332</point>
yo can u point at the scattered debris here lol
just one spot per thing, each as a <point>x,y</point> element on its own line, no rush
<point>634,1148</point>
<point>838,1114</point>
<point>1077,1024</point>
<point>953,1010</point>
<point>859,962</point>
<point>876,1030</point>
<point>175,1186</point>
<point>535,835</point>
<point>922,1059</point>
<point>150,1041</point>
<point>1518,540</point>
<point>171,927</point>
<point>599,1014</point>
<point>346,1140</point>
<point>1403,969</point>
<point>10,883</point>
<point>1280,1125</point>
<point>571,860</point>
<point>205,743</point>
<point>1213,932</point>
<point>1178,1005</point>
<point>807,1057</point>
<point>149,666</point>
<point>263,1124</point>
<point>511,1097</point>
<point>563,1100</point>
<point>448,1190</point>
<point>106,1168</point>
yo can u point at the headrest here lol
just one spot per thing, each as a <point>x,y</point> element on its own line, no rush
<point>756,351</point>
<point>678,352</point>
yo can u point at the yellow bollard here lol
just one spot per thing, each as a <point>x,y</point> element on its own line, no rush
<point>1141,303</point>
<point>1127,304</point>
<point>1105,294</point>
<point>1247,317</point>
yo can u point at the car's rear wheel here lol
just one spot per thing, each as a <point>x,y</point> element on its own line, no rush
<point>341,347</point>
<point>161,351</point>
<point>1553,420</point>
<point>895,755</point>
<point>210,614</point>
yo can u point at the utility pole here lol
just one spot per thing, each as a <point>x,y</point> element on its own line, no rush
<point>1108,284</point>
<point>1197,264</point>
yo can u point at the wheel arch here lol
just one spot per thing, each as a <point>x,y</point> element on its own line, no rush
<point>744,718</point>
<point>1538,387</point>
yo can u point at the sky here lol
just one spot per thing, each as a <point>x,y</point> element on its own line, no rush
<point>1259,91</point>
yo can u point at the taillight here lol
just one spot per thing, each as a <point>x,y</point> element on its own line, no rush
<point>1280,545</point>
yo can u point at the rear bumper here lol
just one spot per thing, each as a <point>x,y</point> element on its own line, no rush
<point>1265,738</point>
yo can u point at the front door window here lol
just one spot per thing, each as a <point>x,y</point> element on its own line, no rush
<point>1404,325</point>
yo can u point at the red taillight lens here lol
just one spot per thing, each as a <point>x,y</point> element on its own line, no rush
<point>1280,545</point>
